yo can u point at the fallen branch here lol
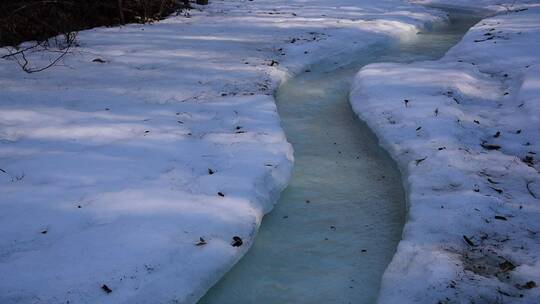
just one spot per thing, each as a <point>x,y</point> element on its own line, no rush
<point>20,55</point>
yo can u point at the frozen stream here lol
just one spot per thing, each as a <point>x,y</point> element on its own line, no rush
<point>336,227</point>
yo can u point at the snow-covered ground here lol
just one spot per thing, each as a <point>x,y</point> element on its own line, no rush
<point>146,138</point>
<point>465,131</point>
<point>112,170</point>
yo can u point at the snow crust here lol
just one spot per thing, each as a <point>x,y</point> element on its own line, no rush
<point>112,169</point>
<point>465,131</point>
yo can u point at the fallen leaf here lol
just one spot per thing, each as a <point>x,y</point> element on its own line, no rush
<point>237,241</point>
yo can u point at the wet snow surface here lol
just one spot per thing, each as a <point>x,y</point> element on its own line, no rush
<point>112,170</point>
<point>465,130</point>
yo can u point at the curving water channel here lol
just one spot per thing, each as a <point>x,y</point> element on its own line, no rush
<point>336,227</point>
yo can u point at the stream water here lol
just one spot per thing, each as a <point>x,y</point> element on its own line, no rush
<point>336,227</point>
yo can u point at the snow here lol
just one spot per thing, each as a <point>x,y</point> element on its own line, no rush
<point>113,169</point>
<point>465,132</point>
<point>111,172</point>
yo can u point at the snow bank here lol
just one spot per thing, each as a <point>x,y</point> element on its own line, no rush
<point>493,6</point>
<point>148,137</point>
<point>465,131</point>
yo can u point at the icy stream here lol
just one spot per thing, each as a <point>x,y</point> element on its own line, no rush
<point>336,227</point>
